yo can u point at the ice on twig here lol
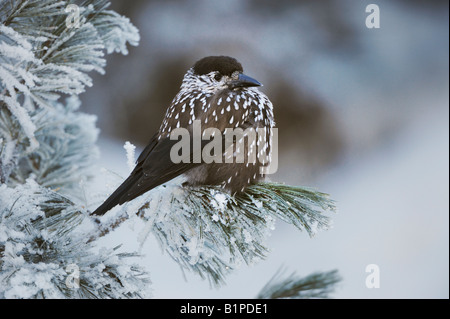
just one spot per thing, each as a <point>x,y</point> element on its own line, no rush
<point>130,149</point>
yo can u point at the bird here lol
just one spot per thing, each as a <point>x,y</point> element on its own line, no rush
<point>216,93</point>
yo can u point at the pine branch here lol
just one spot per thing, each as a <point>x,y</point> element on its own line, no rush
<point>47,147</point>
<point>43,58</point>
<point>40,237</point>
<point>209,232</point>
<point>316,285</point>
<point>66,152</point>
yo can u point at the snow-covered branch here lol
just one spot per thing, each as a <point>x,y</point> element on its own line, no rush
<point>47,147</point>
<point>210,232</point>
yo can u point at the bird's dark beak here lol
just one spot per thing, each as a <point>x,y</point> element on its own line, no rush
<point>243,81</point>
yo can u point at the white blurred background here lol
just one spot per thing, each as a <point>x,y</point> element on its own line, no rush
<point>363,114</point>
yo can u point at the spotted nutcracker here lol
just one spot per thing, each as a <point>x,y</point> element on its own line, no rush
<point>216,94</point>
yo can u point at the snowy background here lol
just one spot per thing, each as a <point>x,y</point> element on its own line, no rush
<point>363,114</point>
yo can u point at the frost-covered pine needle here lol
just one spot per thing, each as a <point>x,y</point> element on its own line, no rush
<point>130,149</point>
<point>47,146</point>
<point>42,59</point>
<point>211,232</point>
<point>43,251</point>
<point>316,285</point>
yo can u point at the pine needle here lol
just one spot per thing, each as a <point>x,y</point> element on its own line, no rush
<point>316,285</point>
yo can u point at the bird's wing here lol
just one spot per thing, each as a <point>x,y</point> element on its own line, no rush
<point>157,167</point>
<point>150,146</point>
<point>154,167</point>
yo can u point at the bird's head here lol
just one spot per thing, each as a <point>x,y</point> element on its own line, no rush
<point>216,73</point>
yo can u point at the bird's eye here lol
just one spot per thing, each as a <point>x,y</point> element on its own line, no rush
<point>218,77</point>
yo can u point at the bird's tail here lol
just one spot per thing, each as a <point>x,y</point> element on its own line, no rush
<point>119,196</point>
